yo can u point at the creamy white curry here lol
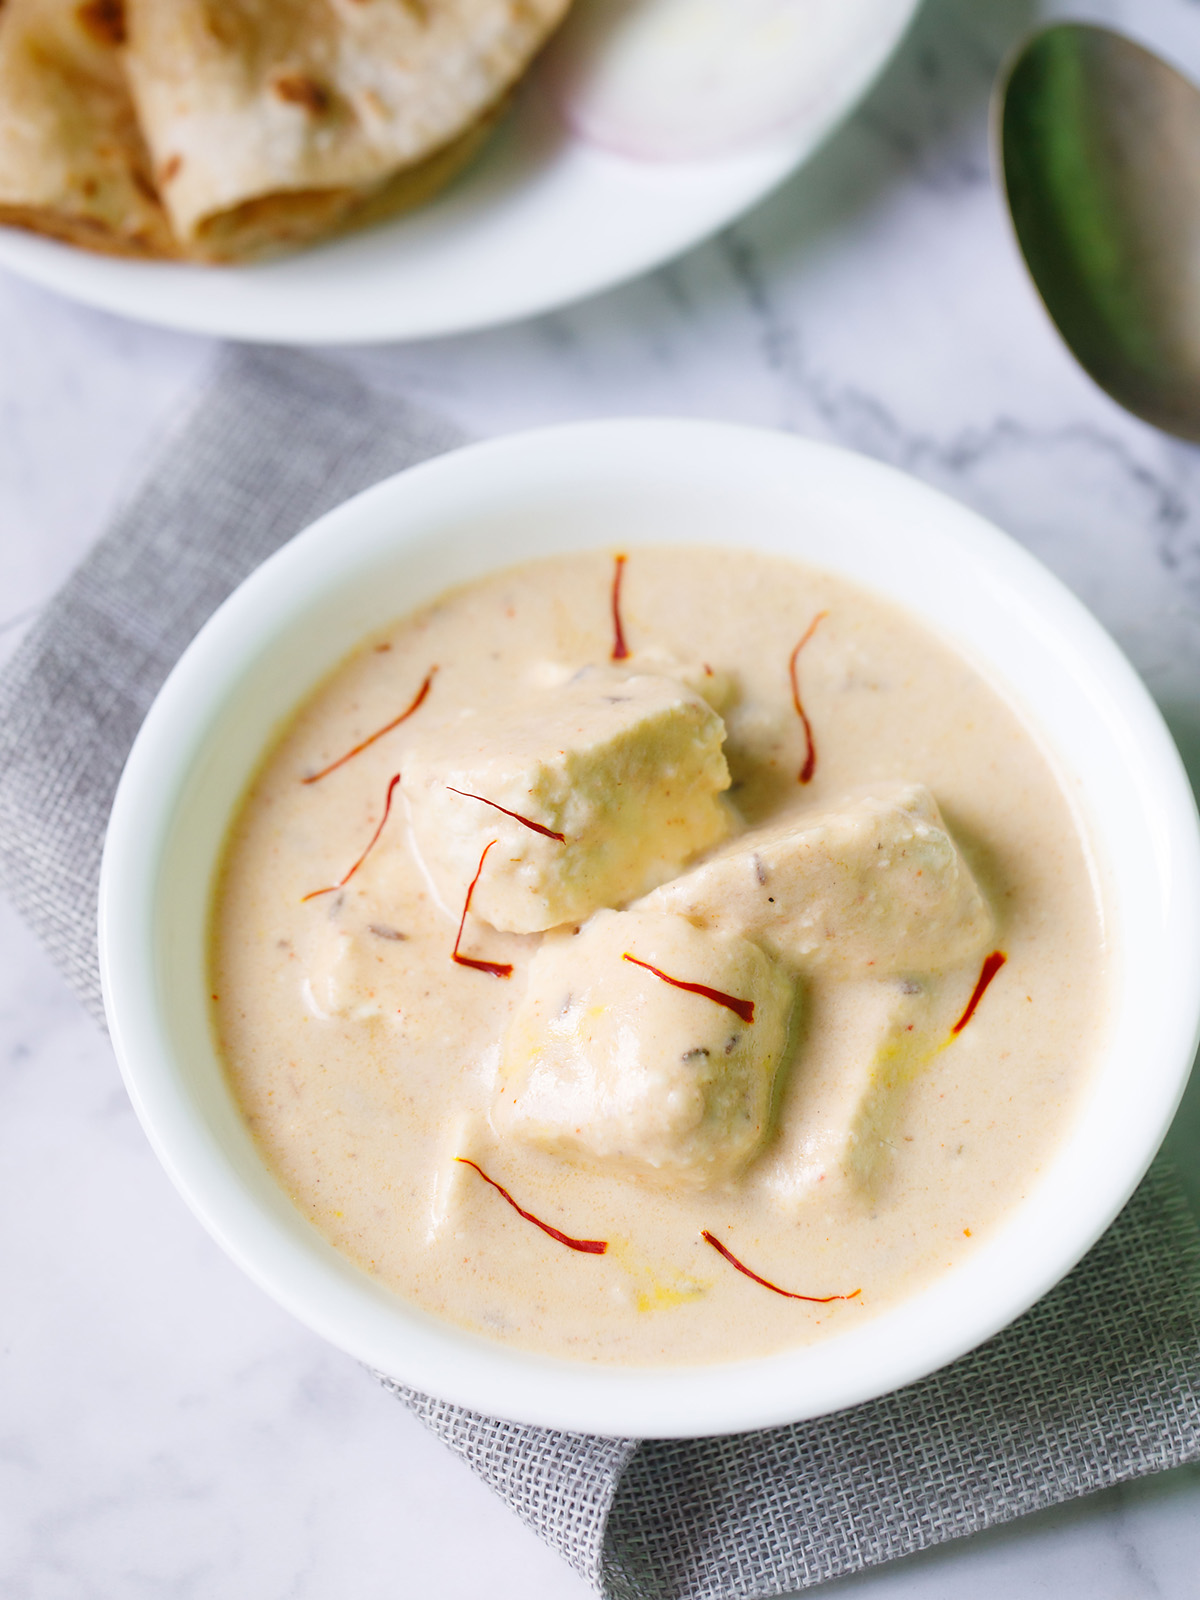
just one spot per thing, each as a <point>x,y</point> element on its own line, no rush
<point>663,959</point>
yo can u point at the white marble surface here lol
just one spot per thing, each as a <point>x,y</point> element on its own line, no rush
<point>164,1429</point>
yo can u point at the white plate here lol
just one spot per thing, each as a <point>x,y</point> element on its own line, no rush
<point>539,221</point>
<point>398,545</point>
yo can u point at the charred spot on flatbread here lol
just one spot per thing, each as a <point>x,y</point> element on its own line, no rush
<point>104,20</point>
<point>299,89</point>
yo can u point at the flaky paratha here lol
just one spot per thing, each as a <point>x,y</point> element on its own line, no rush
<point>225,129</point>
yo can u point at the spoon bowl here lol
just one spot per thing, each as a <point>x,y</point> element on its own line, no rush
<point>1099,148</point>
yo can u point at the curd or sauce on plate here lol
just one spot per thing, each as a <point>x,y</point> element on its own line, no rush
<point>672,958</point>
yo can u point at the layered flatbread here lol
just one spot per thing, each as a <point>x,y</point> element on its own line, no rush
<point>225,129</point>
<point>73,163</point>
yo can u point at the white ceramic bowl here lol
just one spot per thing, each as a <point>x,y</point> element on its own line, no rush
<point>402,542</point>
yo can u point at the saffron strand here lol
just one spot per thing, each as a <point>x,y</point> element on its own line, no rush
<point>498,969</point>
<point>341,884</point>
<point>416,704</point>
<point>812,1299</point>
<point>620,651</point>
<point>515,815</point>
<point>991,966</point>
<point>809,766</point>
<point>740,1008</point>
<point>590,1247</point>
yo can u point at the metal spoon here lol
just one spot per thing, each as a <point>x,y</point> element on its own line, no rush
<point>1099,144</point>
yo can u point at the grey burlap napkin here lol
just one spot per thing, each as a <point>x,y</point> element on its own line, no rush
<point>1100,1382</point>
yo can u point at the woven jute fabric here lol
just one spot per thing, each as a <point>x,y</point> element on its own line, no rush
<point>1098,1383</point>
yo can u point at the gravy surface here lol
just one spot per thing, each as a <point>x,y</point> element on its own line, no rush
<point>361,1111</point>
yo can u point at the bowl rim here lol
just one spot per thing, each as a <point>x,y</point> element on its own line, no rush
<point>451,495</point>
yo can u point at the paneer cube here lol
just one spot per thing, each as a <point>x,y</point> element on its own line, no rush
<point>875,887</point>
<point>866,1040</point>
<point>595,791</point>
<point>718,685</point>
<point>646,1044</point>
<point>343,972</point>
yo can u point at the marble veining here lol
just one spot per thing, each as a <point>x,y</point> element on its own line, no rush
<point>165,1430</point>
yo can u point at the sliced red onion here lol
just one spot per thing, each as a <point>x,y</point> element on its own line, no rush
<point>678,80</point>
